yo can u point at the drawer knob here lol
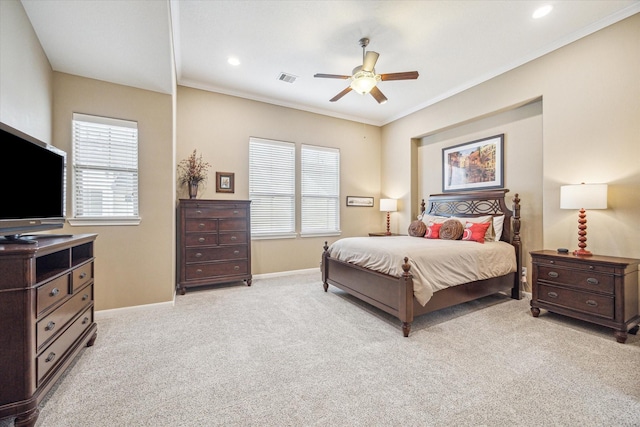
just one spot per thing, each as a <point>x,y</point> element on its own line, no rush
<point>85,320</point>
<point>592,281</point>
<point>553,274</point>
<point>236,212</point>
<point>201,240</point>
<point>201,225</point>
<point>198,211</point>
<point>198,255</point>
<point>85,297</point>
<point>591,267</point>
<point>54,292</point>
<point>552,295</point>
<point>552,262</point>
<point>592,303</point>
<point>50,326</point>
<point>237,267</point>
<point>50,357</point>
<point>234,238</point>
<point>236,252</point>
<point>199,271</point>
<point>83,275</point>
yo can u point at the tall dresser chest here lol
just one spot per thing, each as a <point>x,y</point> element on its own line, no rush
<point>214,242</point>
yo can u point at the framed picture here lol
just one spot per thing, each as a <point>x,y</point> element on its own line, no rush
<point>224,182</point>
<point>360,201</point>
<point>475,165</point>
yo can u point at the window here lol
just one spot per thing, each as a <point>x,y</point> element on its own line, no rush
<point>105,170</point>
<point>320,190</point>
<point>272,185</point>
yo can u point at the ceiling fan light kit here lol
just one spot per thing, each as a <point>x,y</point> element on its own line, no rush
<point>364,79</point>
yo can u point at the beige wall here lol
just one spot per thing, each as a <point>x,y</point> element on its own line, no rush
<point>25,75</point>
<point>219,127</point>
<point>134,264</point>
<point>522,129</point>
<point>590,94</point>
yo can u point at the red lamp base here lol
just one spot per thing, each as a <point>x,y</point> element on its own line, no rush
<point>582,252</point>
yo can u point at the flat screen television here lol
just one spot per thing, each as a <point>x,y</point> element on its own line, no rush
<point>32,186</point>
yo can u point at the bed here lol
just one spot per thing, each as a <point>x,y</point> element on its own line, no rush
<point>395,293</point>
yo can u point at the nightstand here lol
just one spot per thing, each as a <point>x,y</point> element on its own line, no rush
<point>597,289</point>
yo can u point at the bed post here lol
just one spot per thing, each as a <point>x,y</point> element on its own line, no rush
<point>517,244</point>
<point>405,301</point>
<point>325,266</point>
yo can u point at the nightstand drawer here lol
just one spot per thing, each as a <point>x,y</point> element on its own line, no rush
<point>581,279</point>
<point>576,263</point>
<point>599,305</point>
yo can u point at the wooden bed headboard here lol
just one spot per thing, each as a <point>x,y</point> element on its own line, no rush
<point>478,203</point>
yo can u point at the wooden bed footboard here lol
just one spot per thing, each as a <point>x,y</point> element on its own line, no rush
<point>394,295</point>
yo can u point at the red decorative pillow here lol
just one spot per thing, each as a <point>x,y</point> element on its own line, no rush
<point>433,231</point>
<point>475,231</point>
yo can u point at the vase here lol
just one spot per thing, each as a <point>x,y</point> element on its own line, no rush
<point>193,189</point>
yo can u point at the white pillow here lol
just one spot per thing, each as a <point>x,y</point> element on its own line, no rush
<point>498,223</point>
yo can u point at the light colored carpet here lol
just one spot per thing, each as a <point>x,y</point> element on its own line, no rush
<point>285,353</point>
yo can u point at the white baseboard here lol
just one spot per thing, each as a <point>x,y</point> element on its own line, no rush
<point>115,311</point>
<point>285,273</point>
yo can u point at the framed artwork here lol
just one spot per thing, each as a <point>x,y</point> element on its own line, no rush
<point>360,201</point>
<point>475,165</point>
<point>224,182</point>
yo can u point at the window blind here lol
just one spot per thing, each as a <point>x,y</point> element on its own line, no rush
<point>272,185</point>
<point>105,167</point>
<point>320,190</point>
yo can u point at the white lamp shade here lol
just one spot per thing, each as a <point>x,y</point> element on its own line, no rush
<point>388,205</point>
<point>583,196</point>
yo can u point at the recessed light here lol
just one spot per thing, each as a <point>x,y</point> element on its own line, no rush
<point>542,11</point>
<point>233,60</point>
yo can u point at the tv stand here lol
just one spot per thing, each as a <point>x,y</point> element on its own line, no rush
<point>46,317</point>
<point>18,239</point>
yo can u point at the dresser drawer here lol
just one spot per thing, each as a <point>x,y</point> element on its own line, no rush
<point>202,271</point>
<point>580,279</point>
<point>49,326</point>
<point>82,275</point>
<point>215,212</point>
<point>201,225</point>
<point>599,305</point>
<point>217,253</point>
<point>52,292</point>
<point>233,225</point>
<point>230,238</point>
<point>53,354</point>
<point>201,239</point>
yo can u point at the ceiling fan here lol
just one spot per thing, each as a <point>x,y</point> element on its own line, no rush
<point>364,78</point>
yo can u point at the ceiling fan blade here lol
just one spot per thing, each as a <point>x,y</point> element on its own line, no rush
<point>375,92</point>
<point>407,75</point>
<point>370,61</point>
<point>331,76</point>
<point>341,94</point>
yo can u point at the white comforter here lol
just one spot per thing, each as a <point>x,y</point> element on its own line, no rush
<point>435,264</point>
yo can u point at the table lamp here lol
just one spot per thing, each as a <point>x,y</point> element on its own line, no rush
<point>388,206</point>
<point>583,196</point>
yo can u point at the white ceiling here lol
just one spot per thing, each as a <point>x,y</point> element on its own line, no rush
<point>452,44</point>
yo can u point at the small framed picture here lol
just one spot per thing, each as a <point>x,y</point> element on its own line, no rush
<point>224,182</point>
<point>360,201</point>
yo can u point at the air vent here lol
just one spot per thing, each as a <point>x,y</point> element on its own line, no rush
<point>288,78</point>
